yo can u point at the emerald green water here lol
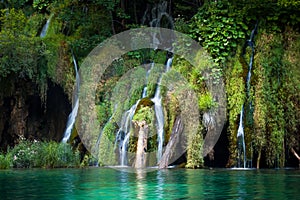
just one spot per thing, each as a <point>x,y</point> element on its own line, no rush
<point>107,183</point>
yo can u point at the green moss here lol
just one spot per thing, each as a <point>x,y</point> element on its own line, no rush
<point>206,102</point>
<point>34,25</point>
<point>107,156</point>
<point>194,156</point>
<point>235,88</point>
<point>153,78</point>
<point>144,113</point>
<point>171,111</point>
<point>109,131</point>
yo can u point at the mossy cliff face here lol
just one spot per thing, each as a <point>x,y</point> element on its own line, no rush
<point>272,107</point>
<point>37,74</point>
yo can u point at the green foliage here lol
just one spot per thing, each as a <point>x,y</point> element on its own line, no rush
<point>236,96</point>
<point>34,24</point>
<point>153,78</point>
<point>41,4</point>
<point>128,90</point>
<point>206,102</point>
<point>22,54</point>
<point>194,149</point>
<point>287,3</point>
<point>171,111</point>
<point>17,3</point>
<point>219,28</point>
<point>5,161</point>
<point>86,23</point>
<point>109,131</point>
<point>270,57</point>
<point>134,55</point>
<point>12,22</point>
<point>182,26</point>
<point>53,154</point>
<point>145,113</point>
<point>106,155</point>
<point>103,112</point>
<point>41,154</point>
<point>290,92</point>
<point>108,4</point>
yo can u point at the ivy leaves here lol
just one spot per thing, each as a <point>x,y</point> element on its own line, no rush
<point>218,29</point>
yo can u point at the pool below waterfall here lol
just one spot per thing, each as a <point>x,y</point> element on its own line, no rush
<point>108,183</point>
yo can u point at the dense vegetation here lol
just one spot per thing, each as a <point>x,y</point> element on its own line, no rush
<point>40,154</point>
<point>272,107</point>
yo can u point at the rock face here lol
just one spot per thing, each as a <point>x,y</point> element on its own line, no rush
<point>24,115</point>
<point>140,161</point>
<point>174,148</point>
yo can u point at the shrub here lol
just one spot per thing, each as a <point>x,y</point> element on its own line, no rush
<point>5,161</point>
<point>54,154</point>
<point>40,154</point>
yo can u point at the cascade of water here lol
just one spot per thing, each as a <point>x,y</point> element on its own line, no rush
<point>125,129</point>
<point>157,16</point>
<point>73,114</point>
<point>153,17</point>
<point>159,114</point>
<point>240,133</point>
<point>123,133</point>
<point>45,28</point>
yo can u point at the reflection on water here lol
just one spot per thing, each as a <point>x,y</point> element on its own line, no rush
<point>141,183</point>
<point>106,183</point>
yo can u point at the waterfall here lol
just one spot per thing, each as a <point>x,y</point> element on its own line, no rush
<point>240,133</point>
<point>240,136</point>
<point>125,128</point>
<point>123,134</point>
<point>45,27</point>
<point>159,114</point>
<point>73,114</point>
<point>157,16</point>
<point>154,18</point>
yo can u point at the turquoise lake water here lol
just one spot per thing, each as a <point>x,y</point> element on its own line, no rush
<point>108,183</point>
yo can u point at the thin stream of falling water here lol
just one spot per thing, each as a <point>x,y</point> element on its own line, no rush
<point>125,127</point>
<point>73,114</point>
<point>240,133</point>
<point>159,114</point>
<point>45,27</point>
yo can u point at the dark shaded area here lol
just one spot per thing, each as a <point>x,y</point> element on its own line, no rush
<point>220,155</point>
<point>180,162</point>
<point>24,115</point>
<point>57,112</point>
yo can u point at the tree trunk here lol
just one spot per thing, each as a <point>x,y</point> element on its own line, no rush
<point>140,161</point>
<point>123,7</point>
<point>112,23</point>
<point>134,10</point>
<point>283,155</point>
<point>258,159</point>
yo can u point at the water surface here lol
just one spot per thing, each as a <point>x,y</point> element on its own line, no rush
<point>107,183</point>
